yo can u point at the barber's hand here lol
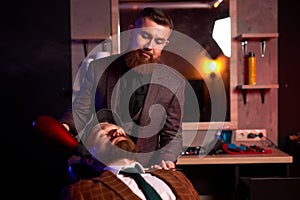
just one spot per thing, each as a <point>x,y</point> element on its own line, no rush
<point>164,165</point>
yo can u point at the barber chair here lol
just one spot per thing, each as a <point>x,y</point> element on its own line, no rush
<point>54,132</point>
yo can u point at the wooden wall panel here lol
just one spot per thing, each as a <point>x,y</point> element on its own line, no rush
<point>92,21</point>
<point>90,18</point>
<point>259,17</point>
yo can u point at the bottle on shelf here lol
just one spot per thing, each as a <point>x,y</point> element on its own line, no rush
<point>251,68</point>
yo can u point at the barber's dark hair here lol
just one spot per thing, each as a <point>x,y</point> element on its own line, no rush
<point>157,15</point>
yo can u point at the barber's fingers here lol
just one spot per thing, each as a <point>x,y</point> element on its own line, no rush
<point>156,167</point>
<point>170,164</point>
<point>164,165</point>
<point>161,166</point>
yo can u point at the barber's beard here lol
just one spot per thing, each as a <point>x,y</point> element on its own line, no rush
<point>137,61</point>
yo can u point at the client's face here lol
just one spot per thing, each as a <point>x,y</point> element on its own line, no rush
<point>117,136</point>
<point>113,132</point>
<point>105,137</point>
<point>108,143</point>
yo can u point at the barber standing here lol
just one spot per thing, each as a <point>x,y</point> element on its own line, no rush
<point>147,95</point>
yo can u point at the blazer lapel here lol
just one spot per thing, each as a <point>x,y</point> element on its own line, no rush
<point>113,76</point>
<point>183,189</point>
<point>152,94</point>
<point>121,189</point>
<point>161,77</point>
<point>164,85</point>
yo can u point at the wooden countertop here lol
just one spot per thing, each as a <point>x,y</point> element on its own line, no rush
<point>276,156</point>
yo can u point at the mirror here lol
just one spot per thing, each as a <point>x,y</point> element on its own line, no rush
<point>199,21</point>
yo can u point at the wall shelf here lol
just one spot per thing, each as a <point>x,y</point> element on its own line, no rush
<point>257,36</point>
<point>262,37</point>
<point>261,88</point>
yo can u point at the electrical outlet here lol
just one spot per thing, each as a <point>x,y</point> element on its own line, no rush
<point>250,134</point>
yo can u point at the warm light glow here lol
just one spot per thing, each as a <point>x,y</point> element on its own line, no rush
<point>221,62</point>
<point>213,66</point>
<point>217,3</point>
<point>207,66</point>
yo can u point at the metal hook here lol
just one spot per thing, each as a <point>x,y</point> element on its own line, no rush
<point>262,48</point>
<point>244,46</point>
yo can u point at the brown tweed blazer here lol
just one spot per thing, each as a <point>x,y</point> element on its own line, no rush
<point>108,187</point>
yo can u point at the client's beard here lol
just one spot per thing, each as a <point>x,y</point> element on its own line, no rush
<point>126,145</point>
<point>124,149</point>
<point>112,154</point>
<point>134,60</point>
